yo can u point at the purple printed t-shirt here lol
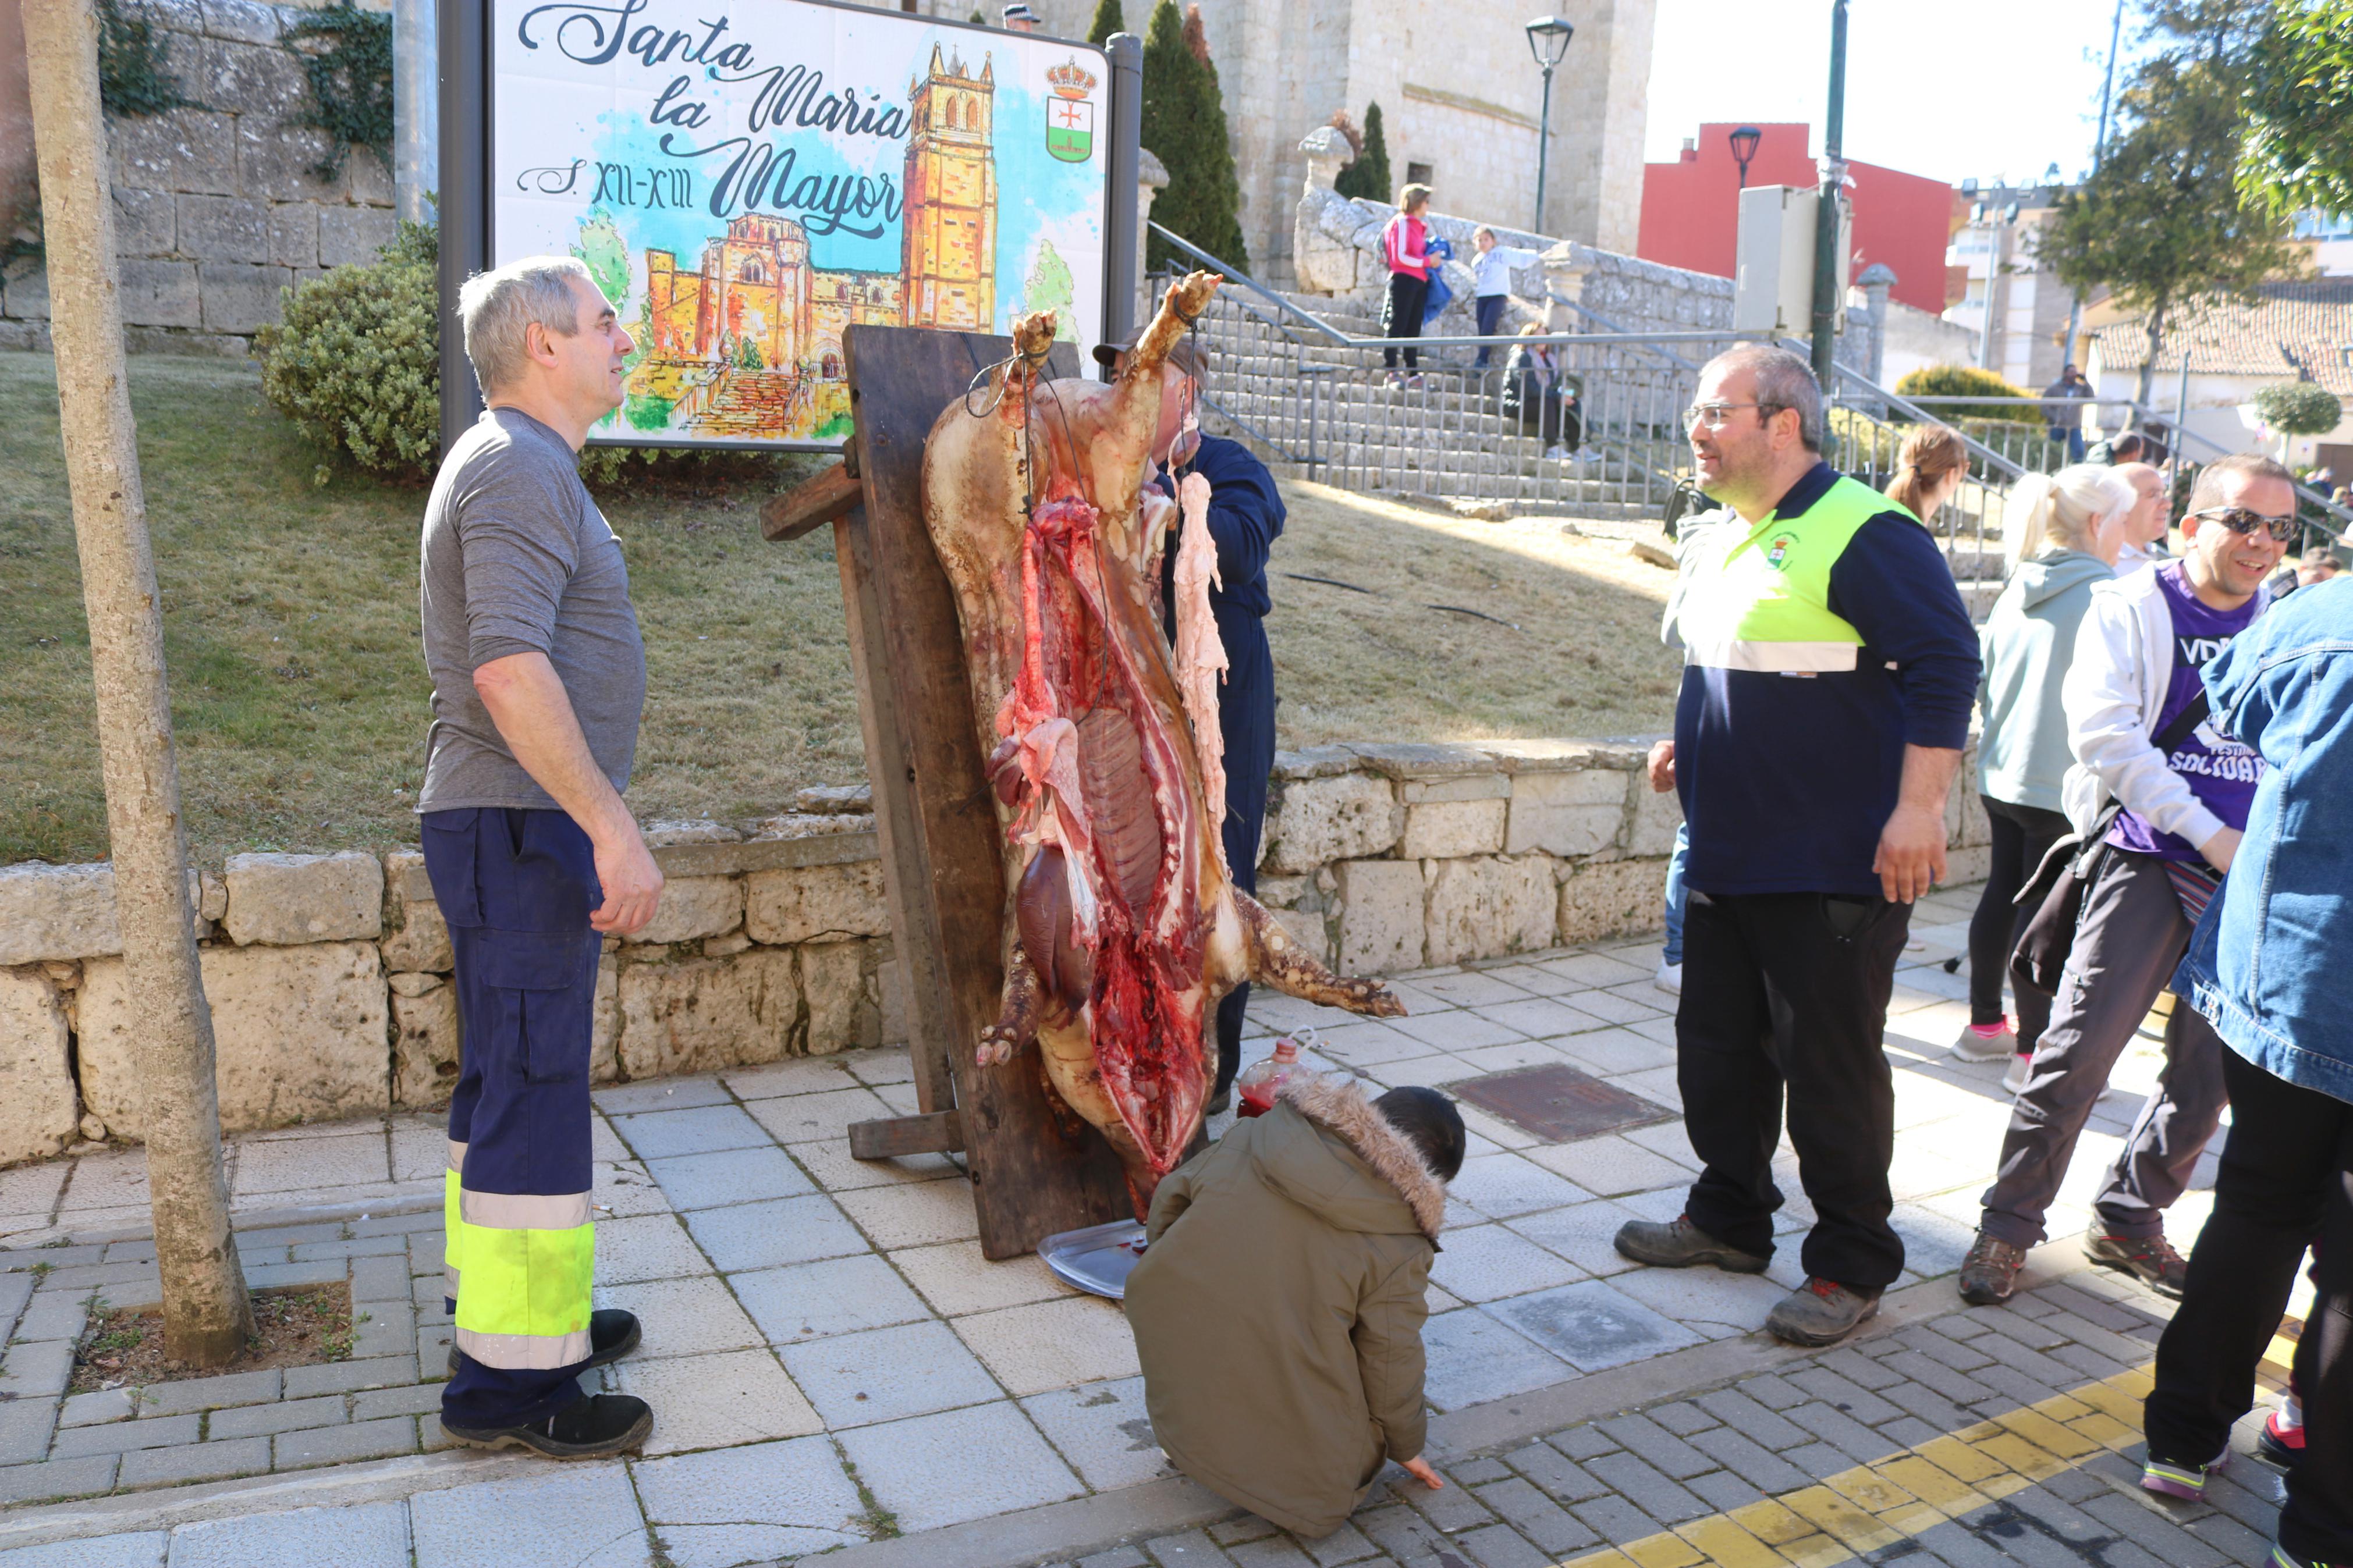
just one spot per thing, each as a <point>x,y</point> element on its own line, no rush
<point>2222,774</point>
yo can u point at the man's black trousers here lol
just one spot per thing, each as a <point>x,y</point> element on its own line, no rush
<point>2285,1183</point>
<point>1784,1003</point>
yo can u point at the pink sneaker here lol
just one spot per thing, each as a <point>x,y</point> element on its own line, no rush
<point>2187,1482</point>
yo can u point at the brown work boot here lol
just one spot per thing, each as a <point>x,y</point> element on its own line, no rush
<point>1679,1244</point>
<point>1989,1273</point>
<point>2148,1259</point>
<point>1821,1312</point>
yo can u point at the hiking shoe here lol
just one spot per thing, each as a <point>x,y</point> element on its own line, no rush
<point>1986,1042</point>
<point>1821,1312</point>
<point>1989,1273</point>
<point>2167,1479</point>
<point>591,1427</point>
<point>1679,1244</point>
<point>612,1334</point>
<point>2281,1557</point>
<point>2148,1259</point>
<point>2281,1439</point>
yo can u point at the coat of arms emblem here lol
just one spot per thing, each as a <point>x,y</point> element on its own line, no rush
<point>1069,116</point>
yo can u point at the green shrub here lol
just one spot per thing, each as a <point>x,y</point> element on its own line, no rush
<point>1963,381</point>
<point>356,364</point>
<point>2298,408</point>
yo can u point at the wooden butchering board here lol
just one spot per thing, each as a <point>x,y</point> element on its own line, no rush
<point>1033,1173</point>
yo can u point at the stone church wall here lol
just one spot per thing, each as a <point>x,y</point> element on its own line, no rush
<point>216,207</point>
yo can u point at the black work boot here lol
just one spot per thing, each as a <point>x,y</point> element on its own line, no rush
<point>612,1334</point>
<point>1679,1244</point>
<point>1821,1313</point>
<point>591,1427</point>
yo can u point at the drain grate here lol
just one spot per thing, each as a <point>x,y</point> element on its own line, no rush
<point>1557,1103</point>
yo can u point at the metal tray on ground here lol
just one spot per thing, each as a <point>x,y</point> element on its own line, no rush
<point>1096,1259</point>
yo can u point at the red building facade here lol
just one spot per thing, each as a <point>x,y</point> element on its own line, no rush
<point>1691,209</point>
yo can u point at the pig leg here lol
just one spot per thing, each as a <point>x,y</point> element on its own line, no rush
<point>1016,1019</point>
<point>1278,960</point>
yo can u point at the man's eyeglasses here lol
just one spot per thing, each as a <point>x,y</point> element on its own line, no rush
<point>1712,415</point>
<point>2244,520</point>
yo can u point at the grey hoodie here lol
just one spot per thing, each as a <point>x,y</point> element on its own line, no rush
<point>2028,642</point>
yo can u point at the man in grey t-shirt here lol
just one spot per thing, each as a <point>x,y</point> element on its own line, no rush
<point>539,675</point>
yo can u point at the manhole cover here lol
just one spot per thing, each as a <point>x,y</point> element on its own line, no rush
<point>1557,1102</point>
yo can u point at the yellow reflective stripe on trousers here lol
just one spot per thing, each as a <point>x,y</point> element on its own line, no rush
<point>450,1218</point>
<point>1772,657</point>
<point>529,1259</point>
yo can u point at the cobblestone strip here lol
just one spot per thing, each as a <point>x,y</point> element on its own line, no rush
<point>55,1447</point>
<point>1913,1446</point>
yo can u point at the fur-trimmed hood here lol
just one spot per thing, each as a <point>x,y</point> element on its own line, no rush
<point>1334,1104</point>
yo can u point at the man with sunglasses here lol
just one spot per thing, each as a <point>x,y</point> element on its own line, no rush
<point>2138,658</point>
<point>1829,670</point>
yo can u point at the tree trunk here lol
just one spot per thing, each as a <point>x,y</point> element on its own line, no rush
<point>2156,342</point>
<point>206,1316</point>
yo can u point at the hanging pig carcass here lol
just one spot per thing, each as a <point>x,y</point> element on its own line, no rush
<point>1122,927</point>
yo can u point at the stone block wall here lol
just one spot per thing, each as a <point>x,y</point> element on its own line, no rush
<point>329,975</point>
<point>216,205</point>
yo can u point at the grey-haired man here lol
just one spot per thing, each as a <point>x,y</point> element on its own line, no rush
<point>538,678</point>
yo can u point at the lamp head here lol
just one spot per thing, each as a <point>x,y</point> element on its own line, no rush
<point>1548,39</point>
<point>1744,143</point>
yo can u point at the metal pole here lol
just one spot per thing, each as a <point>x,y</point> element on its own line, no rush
<point>1827,264</point>
<point>1544,150</point>
<point>1124,229</point>
<point>416,107</point>
<point>2108,92</point>
<point>465,198</point>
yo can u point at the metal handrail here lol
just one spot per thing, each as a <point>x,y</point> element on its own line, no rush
<point>1977,448</point>
<point>1333,337</point>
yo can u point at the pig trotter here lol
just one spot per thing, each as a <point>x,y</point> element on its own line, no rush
<point>1017,1022</point>
<point>1278,960</point>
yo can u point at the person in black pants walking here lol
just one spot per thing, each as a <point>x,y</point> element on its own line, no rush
<point>1403,247</point>
<point>2061,532</point>
<point>2265,968</point>
<point>1246,517</point>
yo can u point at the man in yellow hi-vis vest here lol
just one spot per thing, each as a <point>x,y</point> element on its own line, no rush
<point>539,675</point>
<point>1830,669</point>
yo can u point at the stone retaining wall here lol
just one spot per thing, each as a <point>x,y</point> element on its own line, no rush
<point>216,207</point>
<point>329,974</point>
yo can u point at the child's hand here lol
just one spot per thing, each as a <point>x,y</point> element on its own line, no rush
<point>1419,1471</point>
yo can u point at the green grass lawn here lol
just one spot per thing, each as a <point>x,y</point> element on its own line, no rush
<point>298,693</point>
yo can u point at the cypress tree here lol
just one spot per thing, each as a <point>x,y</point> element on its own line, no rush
<point>1185,127</point>
<point>1368,176</point>
<point>1109,19</point>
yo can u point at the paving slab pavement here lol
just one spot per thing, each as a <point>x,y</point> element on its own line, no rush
<point>834,1368</point>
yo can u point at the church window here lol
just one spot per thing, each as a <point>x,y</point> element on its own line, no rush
<point>754,273</point>
<point>833,367</point>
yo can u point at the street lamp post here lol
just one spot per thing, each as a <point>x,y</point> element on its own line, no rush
<point>1828,263</point>
<point>1548,41</point>
<point>1743,147</point>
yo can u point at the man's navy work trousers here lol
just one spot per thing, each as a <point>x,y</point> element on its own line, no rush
<point>516,888</point>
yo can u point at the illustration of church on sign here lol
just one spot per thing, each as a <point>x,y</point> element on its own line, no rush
<point>748,345</point>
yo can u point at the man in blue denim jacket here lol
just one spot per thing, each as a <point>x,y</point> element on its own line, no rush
<point>2266,966</point>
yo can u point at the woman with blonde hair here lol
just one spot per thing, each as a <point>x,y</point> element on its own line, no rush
<point>1929,468</point>
<point>2060,534</point>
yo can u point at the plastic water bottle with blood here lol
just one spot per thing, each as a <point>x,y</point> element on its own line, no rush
<point>1255,1088</point>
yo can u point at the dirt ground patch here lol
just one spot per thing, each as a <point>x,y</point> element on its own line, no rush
<point>294,1325</point>
<point>298,695</point>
